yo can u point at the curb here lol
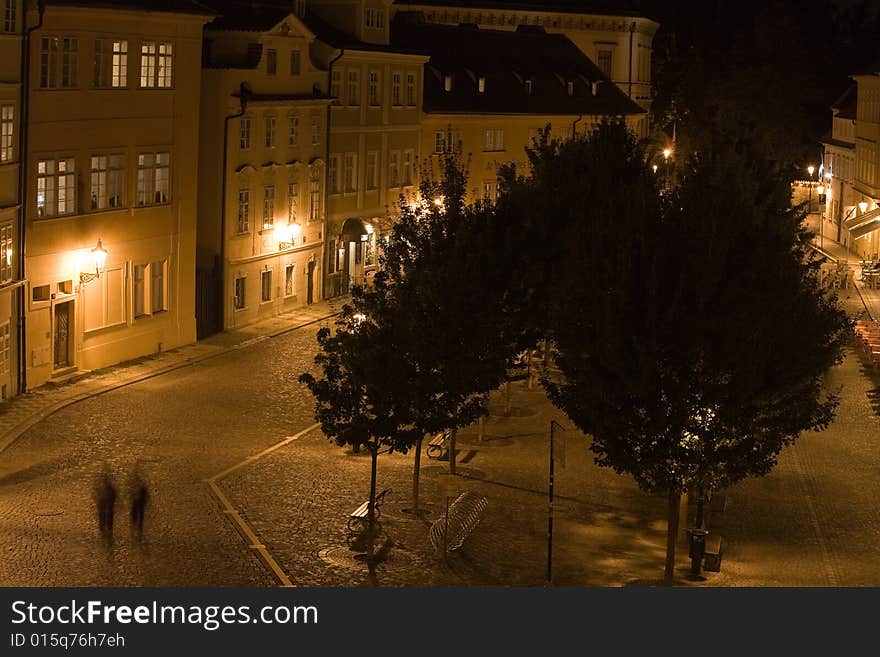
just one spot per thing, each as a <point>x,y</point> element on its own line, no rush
<point>15,432</point>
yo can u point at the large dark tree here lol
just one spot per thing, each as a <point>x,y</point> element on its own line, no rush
<point>692,334</point>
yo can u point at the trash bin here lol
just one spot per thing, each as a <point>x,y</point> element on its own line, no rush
<point>696,542</point>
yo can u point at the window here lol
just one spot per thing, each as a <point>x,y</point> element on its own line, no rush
<point>107,181</point>
<point>408,157</point>
<point>266,286</point>
<point>603,61</point>
<point>394,169</point>
<point>153,178</point>
<point>374,18</point>
<point>59,62</point>
<point>4,352</point>
<point>336,84</point>
<point>370,251</point>
<point>374,88</point>
<point>56,187</point>
<point>569,86</point>
<point>111,64</point>
<point>372,173</point>
<point>295,62</point>
<point>395,89</point>
<point>9,15</point>
<point>530,87</point>
<point>331,256</point>
<point>104,301</point>
<point>349,173</point>
<point>244,133</point>
<point>157,64</point>
<point>292,129</point>
<point>445,141</point>
<point>489,190</point>
<point>315,196</point>
<point>333,174</point>
<point>240,292</point>
<point>271,61</point>
<point>7,272</point>
<point>494,140</point>
<point>481,84</point>
<point>7,132</point>
<point>316,130</point>
<point>447,83</point>
<point>288,281</point>
<point>354,87</point>
<point>268,207</point>
<point>40,293</point>
<point>439,141</point>
<point>358,253</point>
<point>292,196</point>
<point>148,288</point>
<point>270,131</point>
<point>411,89</point>
<point>244,202</point>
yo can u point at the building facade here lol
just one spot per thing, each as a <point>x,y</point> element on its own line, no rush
<point>488,93</point>
<point>12,289</point>
<point>374,132</point>
<point>262,200</point>
<point>110,198</point>
<point>620,44</point>
<point>840,199</point>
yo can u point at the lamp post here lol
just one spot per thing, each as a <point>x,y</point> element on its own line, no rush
<point>99,259</point>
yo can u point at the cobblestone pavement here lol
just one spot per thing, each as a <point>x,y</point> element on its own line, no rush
<point>812,521</point>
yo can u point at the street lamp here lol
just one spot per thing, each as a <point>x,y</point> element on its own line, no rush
<point>287,235</point>
<point>99,259</point>
<point>863,207</point>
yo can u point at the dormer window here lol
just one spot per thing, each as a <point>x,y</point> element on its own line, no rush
<point>481,84</point>
<point>530,87</point>
<point>570,87</point>
<point>447,83</point>
<point>374,18</point>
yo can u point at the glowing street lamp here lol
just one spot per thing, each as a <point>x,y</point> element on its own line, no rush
<point>863,207</point>
<point>99,259</point>
<point>666,153</point>
<point>287,235</point>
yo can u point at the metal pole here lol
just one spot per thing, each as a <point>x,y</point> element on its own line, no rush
<point>550,514</point>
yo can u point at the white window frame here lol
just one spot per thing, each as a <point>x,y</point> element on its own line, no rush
<point>316,195</point>
<point>397,89</point>
<point>353,87</point>
<point>151,173</point>
<point>7,132</point>
<point>270,124</point>
<point>7,253</point>
<point>157,65</point>
<point>316,130</point>
<point>336,85</point>
<point>239,300</point>
<point>59,62</point>
<point>56,183</point>
<point>9,16</point>
<point>268,207</point>
<point>243,223</point>
<point>289,280</point>
<point>245,125</point>
<point>292,129</point>
<point>271,61</point>
<point>374,95</point>
<point>334,169</point>
<point>110,64</point>
<point>292,200</point>
<point>265,275</point>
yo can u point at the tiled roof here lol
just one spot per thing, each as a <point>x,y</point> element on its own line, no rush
<point>507,59</point>
<point>605,7</point>
<point>166,6</point>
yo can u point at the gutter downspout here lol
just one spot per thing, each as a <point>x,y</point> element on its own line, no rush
<point>327,254</point>
<point>243,97</point>
<point>23,190</point>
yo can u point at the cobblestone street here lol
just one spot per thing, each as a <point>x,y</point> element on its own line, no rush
<point>812,521</point>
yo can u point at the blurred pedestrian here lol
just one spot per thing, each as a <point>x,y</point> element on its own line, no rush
<point>105,500</point>
<point>139,498</point>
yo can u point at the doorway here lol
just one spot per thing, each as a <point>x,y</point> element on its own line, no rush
<point>62,320</point>
<point>310,285</point>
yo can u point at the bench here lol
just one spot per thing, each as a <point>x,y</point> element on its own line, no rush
<point>360,517</point>
<point>712,555</point>
<point>438,448</point>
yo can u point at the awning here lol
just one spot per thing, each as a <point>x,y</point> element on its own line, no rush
<point>353,230</point>
<point>863,224</point>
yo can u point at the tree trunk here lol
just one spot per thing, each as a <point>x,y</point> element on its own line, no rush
<point>452,451</point>
<point>416,471</point>
<point>671,535</point>
<point>371,512</point>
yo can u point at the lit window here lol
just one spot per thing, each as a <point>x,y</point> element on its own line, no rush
<point>56,187</point>
<point>268,206</point>
<point>7,133</point>
<point>153,178</point>
<point>244,200</point>
<point>481,84</point>
<point>157,64</point>
<point>244,133</point>
<point>111,64</point>
<point>7,253</point>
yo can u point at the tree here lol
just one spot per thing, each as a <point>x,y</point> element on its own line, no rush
<point>691,331</point>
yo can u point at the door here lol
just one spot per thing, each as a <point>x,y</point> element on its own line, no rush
<point>62,335</point>
<point>310,285</point>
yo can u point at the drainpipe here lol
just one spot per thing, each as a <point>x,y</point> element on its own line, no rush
<point>23,197</point>
<point>243,97</point>
<point>327,254</point>
<point>632,31</point>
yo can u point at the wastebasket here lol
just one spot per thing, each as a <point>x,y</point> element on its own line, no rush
<point>697,548</point>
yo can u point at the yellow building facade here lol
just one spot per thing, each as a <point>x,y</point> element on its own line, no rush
<point>110,197</point>
<point>375,143</point>
<point>11,278</point>
<point>261,203</point>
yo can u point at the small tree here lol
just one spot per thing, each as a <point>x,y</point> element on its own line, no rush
<point>692,333</point>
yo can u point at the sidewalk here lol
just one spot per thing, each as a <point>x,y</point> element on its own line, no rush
<point>870,298</point>
<point>24,411</point>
